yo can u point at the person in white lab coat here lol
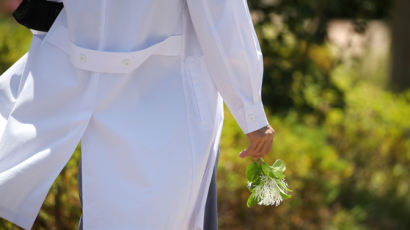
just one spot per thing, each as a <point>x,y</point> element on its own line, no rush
<point>142,85</point>
<point>38,16</point>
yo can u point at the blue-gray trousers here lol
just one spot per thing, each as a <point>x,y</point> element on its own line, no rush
<point>211,206</point>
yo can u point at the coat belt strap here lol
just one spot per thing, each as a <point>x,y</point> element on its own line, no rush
<point>112,62</point>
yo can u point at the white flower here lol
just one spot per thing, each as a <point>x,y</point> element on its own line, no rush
<point>268,191</point>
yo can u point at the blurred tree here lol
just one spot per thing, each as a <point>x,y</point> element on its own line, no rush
<point>14,42</point>
<point>297,61</point>
<point>400,79</point>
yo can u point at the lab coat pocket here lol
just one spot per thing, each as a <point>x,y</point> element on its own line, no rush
<point>201,89</point>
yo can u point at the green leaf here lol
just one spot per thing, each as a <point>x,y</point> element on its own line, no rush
<point>283,186</point>
<point>252,201</point>
<point>253,171</point>
<point>284,195</point>
<point>267,170</point>
<point>278,174</point>
<point>280,165</point>
<point>256,182</point>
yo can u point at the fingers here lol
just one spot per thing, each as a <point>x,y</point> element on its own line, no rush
<point>248,152</point>
<point>267,147</point>
<point>243,154</point>
<point>262,150</point>
<point>261,143</point>
<point>253,150</point>
<point>258,153</point>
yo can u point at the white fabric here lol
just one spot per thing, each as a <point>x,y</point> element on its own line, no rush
<point>233,55</point>
<point>149,136</point>
<point>114,62</point>
<point>37,32</point>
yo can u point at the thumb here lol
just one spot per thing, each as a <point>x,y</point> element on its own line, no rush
<point>244,153</point>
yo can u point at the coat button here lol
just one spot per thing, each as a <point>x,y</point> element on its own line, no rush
<point>126,62</point>
<point>83,58</point>
<point>251,117</point>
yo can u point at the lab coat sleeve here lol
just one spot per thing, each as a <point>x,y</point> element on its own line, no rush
<point>233,56</point>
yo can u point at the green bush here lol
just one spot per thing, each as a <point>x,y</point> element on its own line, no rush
<point>14,42</point>
<point>349,173</point>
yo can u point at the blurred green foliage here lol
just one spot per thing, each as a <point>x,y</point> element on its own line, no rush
<point>352,172</point>
<point>345,141</point>
<point>293,37</point>
<point>14,42</point>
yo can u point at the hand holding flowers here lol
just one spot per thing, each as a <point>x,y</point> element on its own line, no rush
<point>266,182</point>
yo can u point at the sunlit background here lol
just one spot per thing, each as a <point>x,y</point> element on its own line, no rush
<point>336,91</point>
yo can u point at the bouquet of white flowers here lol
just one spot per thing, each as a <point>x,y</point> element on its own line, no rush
<point>267,183</point>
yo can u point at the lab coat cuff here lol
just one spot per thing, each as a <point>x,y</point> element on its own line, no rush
<point>255,118</point>
<point>16,218</point>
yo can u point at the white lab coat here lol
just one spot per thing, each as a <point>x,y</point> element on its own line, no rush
<point>142,85</point>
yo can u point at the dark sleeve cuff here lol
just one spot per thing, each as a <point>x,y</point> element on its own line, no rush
<point>37,14</point>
